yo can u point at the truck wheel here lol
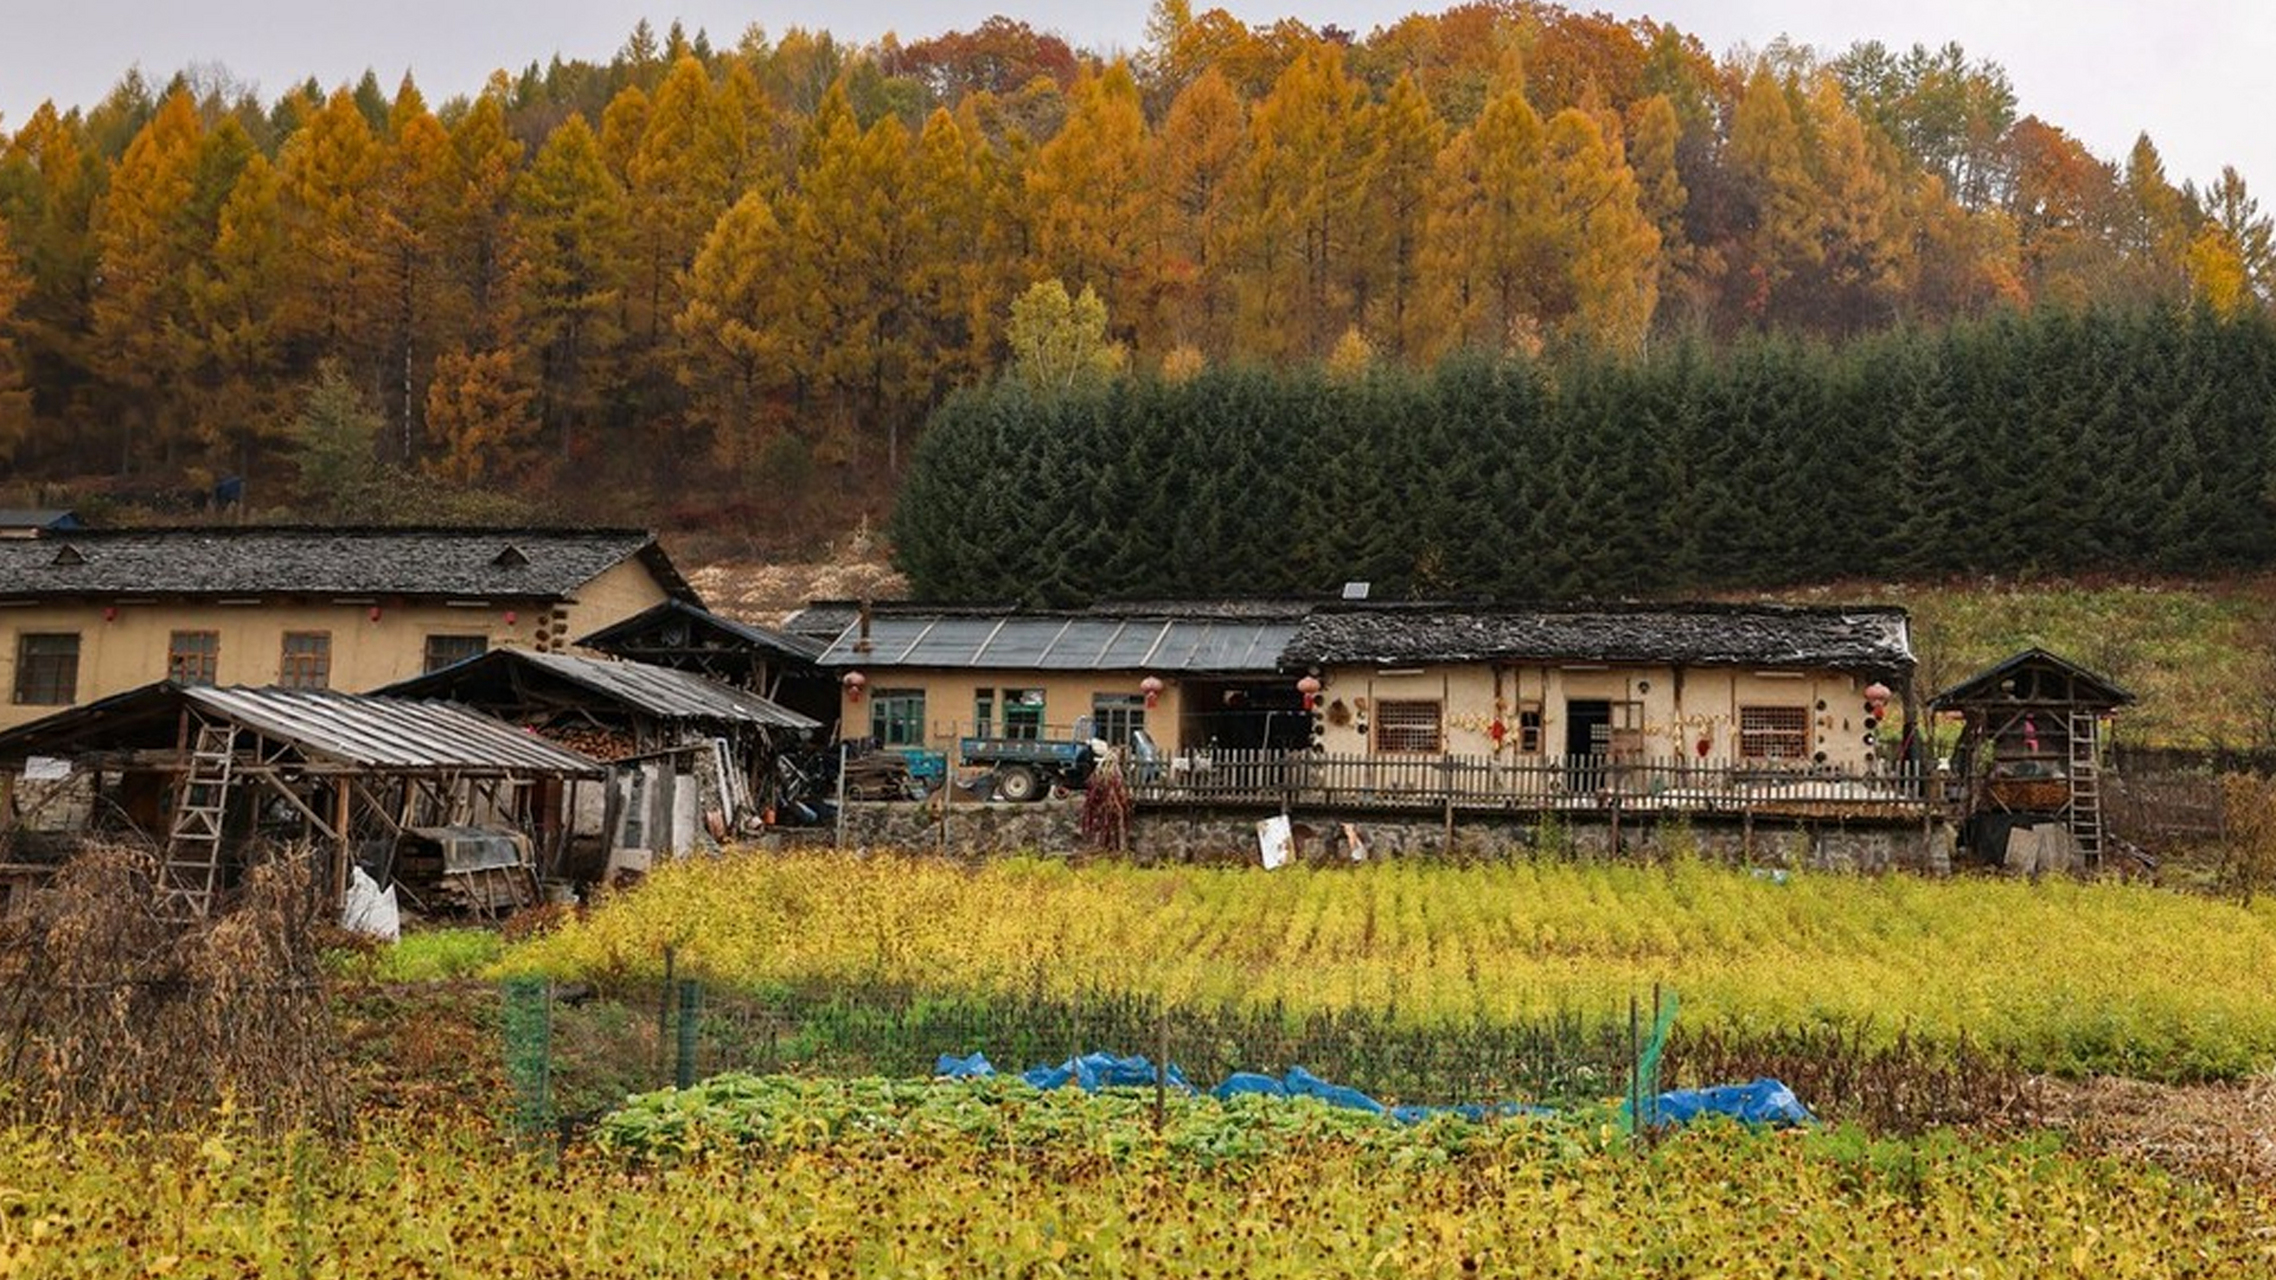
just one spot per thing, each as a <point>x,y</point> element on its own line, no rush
<point>1019,784</point>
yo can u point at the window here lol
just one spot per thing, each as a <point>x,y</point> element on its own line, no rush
<point>1407,726</point>
<point>443,651</point>
<point>1529,728</point>
<point>897,717</point>
<point>307,660</point>
<point>1023,714</point>
<point>983,713</point>
<point>193,656</point>
<point>47,668</point>
<point>1115,716</point>
<point>1774,733</point>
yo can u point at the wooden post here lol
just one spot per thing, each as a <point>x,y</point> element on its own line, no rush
<point>343,793</point>
<point>1446,786</point>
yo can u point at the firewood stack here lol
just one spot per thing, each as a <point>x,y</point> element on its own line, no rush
<point>600,744</point>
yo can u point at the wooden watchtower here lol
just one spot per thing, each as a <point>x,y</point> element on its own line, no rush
<point>2030,743</point>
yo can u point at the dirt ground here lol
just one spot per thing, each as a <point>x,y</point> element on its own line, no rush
<point>2214,1130</point>
<point>765,593</point>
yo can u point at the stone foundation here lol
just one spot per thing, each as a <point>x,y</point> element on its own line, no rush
<point>1226,836</point>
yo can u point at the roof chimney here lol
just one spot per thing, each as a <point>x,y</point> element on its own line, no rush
<point>861,639</point>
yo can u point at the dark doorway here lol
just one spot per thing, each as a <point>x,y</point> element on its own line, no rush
<point>1588,739</point>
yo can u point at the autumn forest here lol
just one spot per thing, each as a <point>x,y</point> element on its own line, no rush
<point>713,286</point>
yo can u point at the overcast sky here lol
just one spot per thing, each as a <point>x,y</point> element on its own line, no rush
<point>2198,75</point>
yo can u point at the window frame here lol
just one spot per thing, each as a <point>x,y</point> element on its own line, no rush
<point>1024,714</point>
<point>897,717</point>
<point>193,657</point>
<point>1389,736</point>
<point>1115,716</point>
<point>56,673</point>
<point>1777,731</point>
<point>1529,728</point>
<point>443,639</point>
<point>293,668</point>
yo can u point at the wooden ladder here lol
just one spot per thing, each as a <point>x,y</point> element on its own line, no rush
<point>2085,789</point>
<point>192,870</point>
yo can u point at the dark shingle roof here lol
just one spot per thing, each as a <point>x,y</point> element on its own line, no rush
<point>541,563</point>
<point>1876,638</point>
<point>677,626</point>
<point>2050,679</point>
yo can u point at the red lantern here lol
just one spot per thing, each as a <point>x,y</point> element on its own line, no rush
<point>1151,686</point>
<point>854,682</point>
<point>1309,686</point>
<point>1877,692</point>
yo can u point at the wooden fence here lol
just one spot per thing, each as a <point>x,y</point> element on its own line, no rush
<point>1535,784</point>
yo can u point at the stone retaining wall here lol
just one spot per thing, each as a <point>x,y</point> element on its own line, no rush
<point>1228,836</point>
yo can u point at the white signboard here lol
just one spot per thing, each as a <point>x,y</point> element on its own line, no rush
<point>1275,841</point>
<point>46,769</point>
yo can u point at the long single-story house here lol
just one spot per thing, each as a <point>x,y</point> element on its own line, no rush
<point>1712,705</point>
<point>85,613</point>
<point>1767,684</point>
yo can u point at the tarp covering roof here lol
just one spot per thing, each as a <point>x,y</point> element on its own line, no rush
<point>344,728</point>
<point>676,625</point>
<point>1062,642</point>
<point>253,561</point>
<point>662,692</point>
<point>1858,638</point>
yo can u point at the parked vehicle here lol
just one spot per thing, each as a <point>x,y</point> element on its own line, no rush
<point>1026,769</point>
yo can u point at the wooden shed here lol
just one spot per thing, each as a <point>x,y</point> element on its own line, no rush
<point>203,772</point>
<point>2030,749</point>
<point>691,759</point>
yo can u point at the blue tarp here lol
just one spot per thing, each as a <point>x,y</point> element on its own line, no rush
<point>1092,1071</point>
<point>1764,1101</point>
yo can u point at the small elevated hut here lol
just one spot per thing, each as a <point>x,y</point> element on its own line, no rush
<point>2030,752</point>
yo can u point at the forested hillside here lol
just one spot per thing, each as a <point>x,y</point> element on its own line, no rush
<point>2052,442</point>
<point>726,286</point>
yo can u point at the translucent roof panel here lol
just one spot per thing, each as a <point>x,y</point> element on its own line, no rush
<point>1045,642</point>
<point>1135,644</point>
<point>1021,642</point>
<point>1083,645</point>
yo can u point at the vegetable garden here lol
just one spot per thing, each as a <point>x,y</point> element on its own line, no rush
<point>1917,1016</point>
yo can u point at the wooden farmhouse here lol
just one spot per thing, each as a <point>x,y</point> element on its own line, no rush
<point>2029,756</point>
<point>451,804</point>
<point>85,614</point>
<point>691,759</point>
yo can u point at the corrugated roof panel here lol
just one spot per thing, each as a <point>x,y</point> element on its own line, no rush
<point>668,693</point>
<point>390,732</point>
